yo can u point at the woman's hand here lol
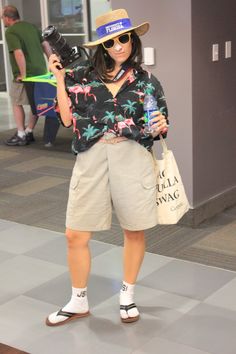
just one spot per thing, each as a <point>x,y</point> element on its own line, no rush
<point>55,66</point>
<point>62,96</point>
<point>158,123</point>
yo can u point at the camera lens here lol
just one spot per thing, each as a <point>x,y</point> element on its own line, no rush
<point>57,42</point>
<point>48,32</point>
<point>68,55</point>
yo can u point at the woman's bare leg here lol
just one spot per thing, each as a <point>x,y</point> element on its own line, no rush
<point>79,258</point>
<point>79,261</point>
<point>134,250</point>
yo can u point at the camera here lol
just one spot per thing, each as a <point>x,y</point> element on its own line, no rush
<point>67,54</point>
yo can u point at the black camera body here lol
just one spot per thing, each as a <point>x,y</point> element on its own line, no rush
<point>67,54</point>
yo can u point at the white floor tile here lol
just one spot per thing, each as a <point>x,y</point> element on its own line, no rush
<point>164,346</point>
<point>23,320</point>
<point>19,238</point>
<point>21,273</point>
<point>110,264</point>
<point>224,297</point>
<point>208,328</point>
<point>188,279</point>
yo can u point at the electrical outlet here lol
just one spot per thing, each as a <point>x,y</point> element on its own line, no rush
<point>215,52</point>
<point>149,57</point>
<point>228,49</point>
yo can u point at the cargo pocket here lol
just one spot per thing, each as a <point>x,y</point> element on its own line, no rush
<point>149,181</point>
<point>74,182</point>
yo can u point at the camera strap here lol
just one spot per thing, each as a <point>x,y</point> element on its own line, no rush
<point>121,73</point>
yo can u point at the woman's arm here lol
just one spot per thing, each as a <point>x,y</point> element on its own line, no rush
<point>160,121</point>
<point>62,97</point>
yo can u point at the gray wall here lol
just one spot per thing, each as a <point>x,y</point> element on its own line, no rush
<point>170,35</point>
<point>214,103</point>
<point>200,93</point>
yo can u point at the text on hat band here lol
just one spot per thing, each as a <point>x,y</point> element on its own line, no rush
<point>113,27</point>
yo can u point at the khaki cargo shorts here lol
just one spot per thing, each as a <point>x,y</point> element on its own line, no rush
<point>18,94</point>
<point>112,175</point>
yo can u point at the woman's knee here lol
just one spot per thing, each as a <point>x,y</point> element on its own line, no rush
<point>77,238</point>
<point>134,235</point>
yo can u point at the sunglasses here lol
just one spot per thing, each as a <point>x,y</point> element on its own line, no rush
<point>122,39</point>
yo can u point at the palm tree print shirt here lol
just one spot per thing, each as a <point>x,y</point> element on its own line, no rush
<point>95,112</point>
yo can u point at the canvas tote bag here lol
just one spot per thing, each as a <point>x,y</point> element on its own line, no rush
<point>171,199</point>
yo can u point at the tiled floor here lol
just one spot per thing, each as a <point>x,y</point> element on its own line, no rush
<point>186,308</point>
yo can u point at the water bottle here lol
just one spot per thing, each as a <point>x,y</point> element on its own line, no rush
<point>149,106</point>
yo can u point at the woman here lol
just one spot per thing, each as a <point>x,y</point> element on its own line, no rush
<point>104,102</point>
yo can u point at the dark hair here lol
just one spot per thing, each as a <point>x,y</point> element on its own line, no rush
<point>11,12</point>
<point>103,63</point>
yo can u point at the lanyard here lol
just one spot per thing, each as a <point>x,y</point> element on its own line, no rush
<point>123,70</point>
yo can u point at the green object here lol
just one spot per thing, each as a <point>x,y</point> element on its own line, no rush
<point>145,118</point>
<point>49,78</point>
<point>27,37</point>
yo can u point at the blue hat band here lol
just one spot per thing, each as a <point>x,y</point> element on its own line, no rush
<point>113,27</point>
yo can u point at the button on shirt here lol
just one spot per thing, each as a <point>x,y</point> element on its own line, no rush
<point>95,112</point>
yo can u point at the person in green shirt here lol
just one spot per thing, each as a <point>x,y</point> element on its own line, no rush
<point>26,52</point>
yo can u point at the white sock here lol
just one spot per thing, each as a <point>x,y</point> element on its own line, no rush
<point>21,133</point>
<point>127,298</point>
<point>77,304</point>
<point>28,130</point>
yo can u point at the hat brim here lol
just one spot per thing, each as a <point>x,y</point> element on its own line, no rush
<point>140,30</point>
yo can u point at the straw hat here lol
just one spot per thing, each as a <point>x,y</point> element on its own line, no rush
<point>113,24</point>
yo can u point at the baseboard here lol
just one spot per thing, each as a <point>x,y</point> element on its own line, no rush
<point>6,349</point>
<point>210,208</point>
